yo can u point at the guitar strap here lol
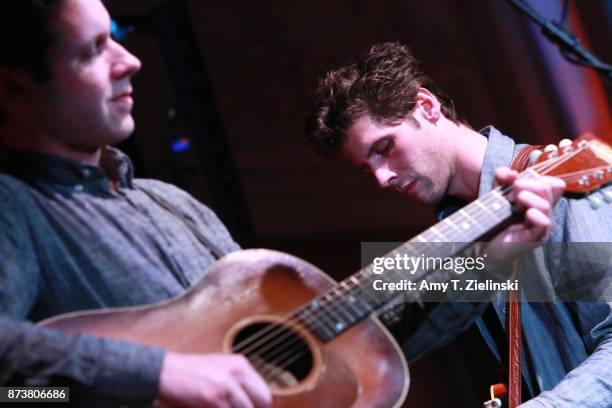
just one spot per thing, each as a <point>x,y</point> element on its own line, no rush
<point>519,163</point>
<point>214,249</point>
<point>514,347</point>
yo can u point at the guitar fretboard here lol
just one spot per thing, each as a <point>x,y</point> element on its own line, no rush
<point>353,299</point>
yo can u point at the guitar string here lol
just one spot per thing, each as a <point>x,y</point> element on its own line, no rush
<point>294,356</point>
<point>302,344</point>
<point>338,288</point>
<point>292,352</point>
<point>281,360</point>
<point>583,172</point>
<point>240,345</point>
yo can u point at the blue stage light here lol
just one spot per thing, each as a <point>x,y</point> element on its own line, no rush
<point>181,145</point>
<point>119,33</point>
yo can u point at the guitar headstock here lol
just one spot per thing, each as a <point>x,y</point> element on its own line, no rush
<point>585,164</point>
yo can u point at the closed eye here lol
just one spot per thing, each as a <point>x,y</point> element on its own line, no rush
<point>95,48</point>
<point>383,147</point>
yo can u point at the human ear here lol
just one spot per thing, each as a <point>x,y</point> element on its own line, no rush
<point>428,105</point>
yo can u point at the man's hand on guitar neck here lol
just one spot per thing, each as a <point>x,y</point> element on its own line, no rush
<point>211,381</point>
<point>534,199</point>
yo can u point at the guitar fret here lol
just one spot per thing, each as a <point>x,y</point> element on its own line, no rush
<point>466,225</point>
<point>316,325</point>
<point>496,205</point>
<point>355,300</point>
<point>409,248</point>
<point>341,304</point>
<point>344,316</point>
<point>437,232</point>
<point>331,316</point>
<point>462,233</point>
<point>483,206</point>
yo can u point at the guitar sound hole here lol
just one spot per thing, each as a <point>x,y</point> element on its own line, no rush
<point>279,354</point>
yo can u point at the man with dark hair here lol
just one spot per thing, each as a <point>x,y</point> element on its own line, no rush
<point>385,115</point>
<point>78,232</point>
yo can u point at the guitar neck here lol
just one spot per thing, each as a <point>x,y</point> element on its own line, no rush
<point>354,298</point>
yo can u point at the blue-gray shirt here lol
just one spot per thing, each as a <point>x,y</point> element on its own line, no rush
<point>68,241</point>
<point>567,346</point>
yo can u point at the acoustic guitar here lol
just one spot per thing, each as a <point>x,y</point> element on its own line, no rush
<point>314,340</point>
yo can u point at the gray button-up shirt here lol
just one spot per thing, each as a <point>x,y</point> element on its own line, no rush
<point>68,241</point>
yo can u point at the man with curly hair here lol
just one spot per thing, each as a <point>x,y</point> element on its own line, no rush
<point>388,117</point>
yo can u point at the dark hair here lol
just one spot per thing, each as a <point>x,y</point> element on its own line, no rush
<point>383,84</point>
<point>25,37</point>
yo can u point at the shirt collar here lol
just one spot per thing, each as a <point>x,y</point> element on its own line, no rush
<point>499,152</point>
<point>64,175</point>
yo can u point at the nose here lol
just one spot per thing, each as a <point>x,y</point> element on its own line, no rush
<point>124,62</point>
<point>384,176</point>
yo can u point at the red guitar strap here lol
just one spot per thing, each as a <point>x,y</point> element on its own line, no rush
<point>520,162</point>
<point>514,347</point>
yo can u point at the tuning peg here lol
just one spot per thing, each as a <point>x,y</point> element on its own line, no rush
<point>594,201</point>
<point>566,146</point>
<point>550,148</point>
<point>533,156</point>
<point>607,195</point>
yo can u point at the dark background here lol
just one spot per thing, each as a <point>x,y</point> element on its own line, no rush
<point>263,59</point>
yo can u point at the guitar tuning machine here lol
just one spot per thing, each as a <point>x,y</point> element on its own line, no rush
<point>534,156</point>
<point>566,146</point>
<point>552,149</point>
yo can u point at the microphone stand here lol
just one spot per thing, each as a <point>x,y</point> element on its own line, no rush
<point>570,46</point>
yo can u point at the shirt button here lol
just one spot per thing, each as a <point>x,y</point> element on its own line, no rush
<point>86,172</point>
<point>79,188</point>
<point>505,310</point>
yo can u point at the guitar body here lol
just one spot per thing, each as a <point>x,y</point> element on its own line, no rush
<point>251,289</point>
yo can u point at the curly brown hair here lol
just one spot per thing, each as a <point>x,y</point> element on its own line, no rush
<point>383,84</point>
